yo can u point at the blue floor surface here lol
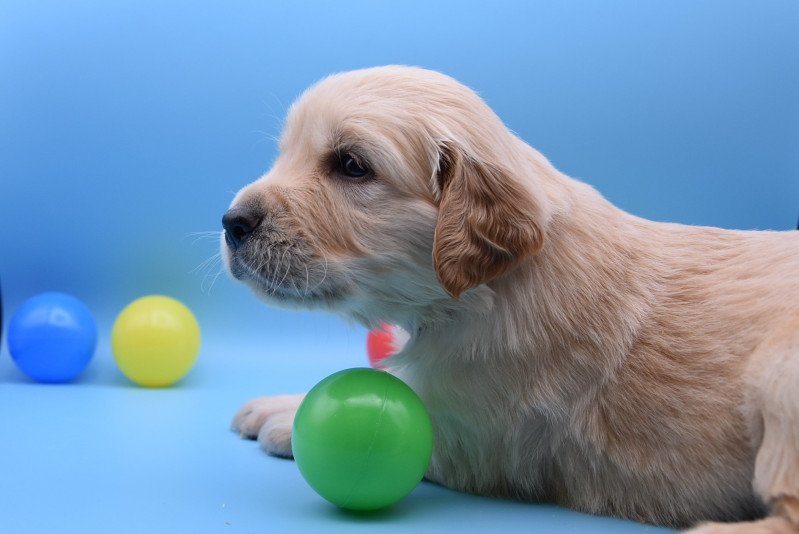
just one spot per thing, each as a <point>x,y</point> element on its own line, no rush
<point>101,455</point>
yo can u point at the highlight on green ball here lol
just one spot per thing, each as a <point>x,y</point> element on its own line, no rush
<point>362,439</point>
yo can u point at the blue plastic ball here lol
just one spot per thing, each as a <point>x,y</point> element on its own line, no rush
<point>52,337</point>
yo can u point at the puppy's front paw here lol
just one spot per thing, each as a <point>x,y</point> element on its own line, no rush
<point>270,419</point>
<point>769,525</point>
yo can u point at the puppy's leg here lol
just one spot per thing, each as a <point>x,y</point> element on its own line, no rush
<point>270,419</point>
<point>770,525</point>
<point>773,405</point>
<point>774,372</point>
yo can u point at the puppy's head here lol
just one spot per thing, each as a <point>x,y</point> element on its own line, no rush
<point>395,188</point>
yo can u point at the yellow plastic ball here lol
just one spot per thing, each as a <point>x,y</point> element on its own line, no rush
<point>155,341</point>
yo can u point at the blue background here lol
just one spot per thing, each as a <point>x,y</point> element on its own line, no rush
<point>126,127</point>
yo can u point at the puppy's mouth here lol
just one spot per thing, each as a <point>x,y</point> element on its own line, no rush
<point>282,272</point>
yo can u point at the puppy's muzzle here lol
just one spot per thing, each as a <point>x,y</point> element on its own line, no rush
<point>239,224</point>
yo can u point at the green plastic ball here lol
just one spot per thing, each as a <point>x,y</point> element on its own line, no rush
<point>362,439</point>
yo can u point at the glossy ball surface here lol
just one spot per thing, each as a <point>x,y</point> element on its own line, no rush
<point>52,337</point>
<point>362,439</point>
<point>155,341</point>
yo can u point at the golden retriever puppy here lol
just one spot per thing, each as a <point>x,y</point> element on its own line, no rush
<point>567,351</point>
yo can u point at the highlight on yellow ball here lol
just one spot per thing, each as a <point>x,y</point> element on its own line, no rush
<point>155,341</point>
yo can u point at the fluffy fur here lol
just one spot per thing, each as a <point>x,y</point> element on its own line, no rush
<point>566,350</point>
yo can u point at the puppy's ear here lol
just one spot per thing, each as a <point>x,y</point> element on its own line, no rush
<point>487,222</point>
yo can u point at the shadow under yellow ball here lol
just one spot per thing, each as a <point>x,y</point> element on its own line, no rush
<point>155,341</point>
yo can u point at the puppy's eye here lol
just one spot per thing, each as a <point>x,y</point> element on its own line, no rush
<point>351,168</point>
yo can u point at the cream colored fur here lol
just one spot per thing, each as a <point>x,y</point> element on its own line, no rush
<point>566,350</point>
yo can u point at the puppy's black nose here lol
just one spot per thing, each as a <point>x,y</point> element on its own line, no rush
<point>239,223</point>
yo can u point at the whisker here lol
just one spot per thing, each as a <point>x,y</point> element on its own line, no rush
<point>267,137</point>
<point>288,268</point>
<point>272,270</point>
<point>209,233</point>
<point>204,286</point>
<point>324,274</point>
<point>297,290</point>
<point>205,265</point>
<point>199,236</point>
<point>324,257</point>
<point>213,281</point>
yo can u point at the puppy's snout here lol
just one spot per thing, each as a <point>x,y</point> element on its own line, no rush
<point>239,224</point>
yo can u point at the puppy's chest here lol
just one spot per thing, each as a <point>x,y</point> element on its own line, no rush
<point>513,435</point>
<point>489,433</point>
